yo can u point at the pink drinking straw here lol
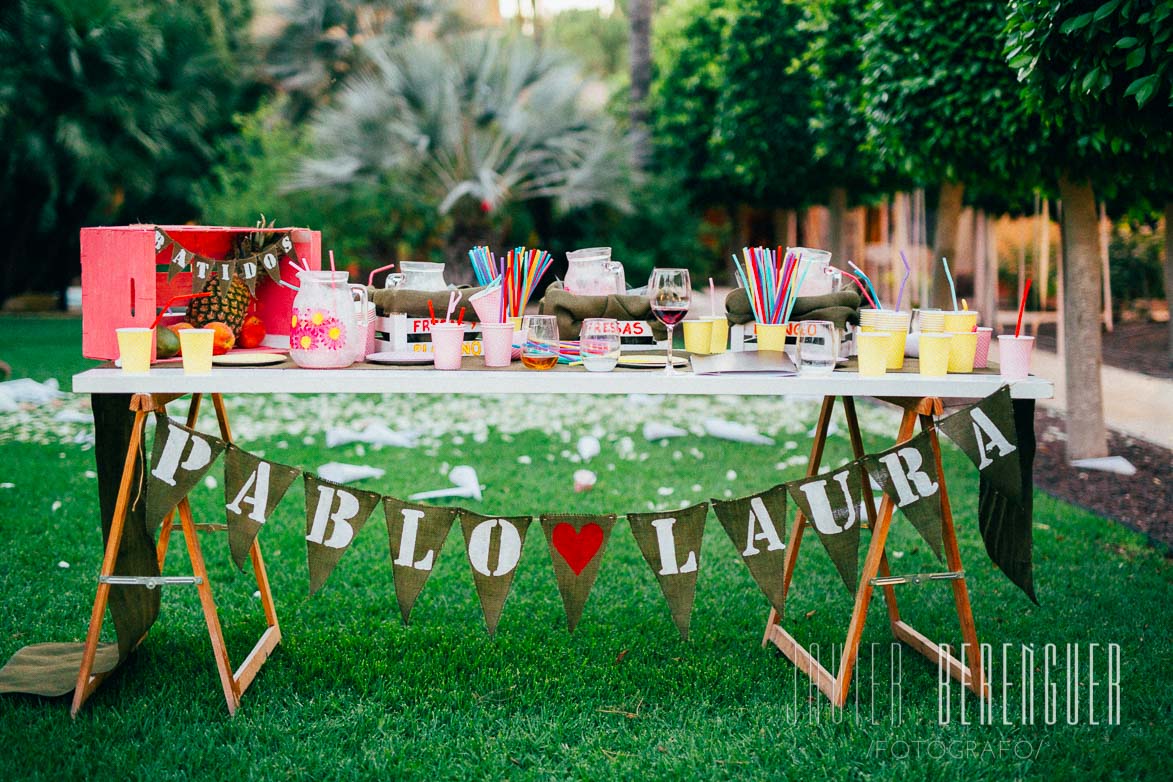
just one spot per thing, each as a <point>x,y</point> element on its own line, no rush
<point>371,278</point>
<point>1022,308</point>
<point>859,284</point>
<point>712,297</point>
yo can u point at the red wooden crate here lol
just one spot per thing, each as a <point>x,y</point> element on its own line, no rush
<point>124,281</point>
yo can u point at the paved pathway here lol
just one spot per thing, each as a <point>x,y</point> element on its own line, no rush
<point>1134,404</point>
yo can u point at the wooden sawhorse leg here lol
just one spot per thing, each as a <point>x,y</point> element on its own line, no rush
<point>233,683</point>
<point>836,687</point>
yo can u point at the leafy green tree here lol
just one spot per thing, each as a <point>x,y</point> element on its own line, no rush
<point>942,104</point>
<point>596,40</point>
<point>1101,76</point>
<point>475,123</point>
<point>109,112</point>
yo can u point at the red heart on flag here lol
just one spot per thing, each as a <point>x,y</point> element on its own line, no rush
<point>578,548</point>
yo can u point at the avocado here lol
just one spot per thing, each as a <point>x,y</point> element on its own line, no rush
<point>166,342</point>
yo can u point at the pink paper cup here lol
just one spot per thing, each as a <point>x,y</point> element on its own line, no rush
<point>1014,354</point>
<point>497,344</point>
<point>447,345</point>
<point>981,356</point>
<point>487,304</point>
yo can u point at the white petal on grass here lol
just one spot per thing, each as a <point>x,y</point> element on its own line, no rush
<point>210,481</point>
<point>524,460</point>
<point>63,565</point>
<point>7,485</point>
<point>56,506</point>
<point>340,472</point>
<point>588,447</point>
<point>731,475</point>
<point>665,491</point>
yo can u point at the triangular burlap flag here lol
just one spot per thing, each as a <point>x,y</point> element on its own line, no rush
<point>908,475</point>
<point>493,545</point>
<point>201,273</point>
<point>225,271</point>
<point>832,502</point>
<point>576,546</point>
<point>1005,525</point>
<point>671,543</point>
<point>179,459</point>
<point>252,489</point>
<point>987,435</point>
<point>271,263</point>
<point>334,514</point>
<point>248,273</point>
<point>757,527</point>
<point>417,533</point>
<point>180,258</point>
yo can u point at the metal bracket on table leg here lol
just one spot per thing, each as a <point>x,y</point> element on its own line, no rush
<point>150,582</point>
<point>917,578</point>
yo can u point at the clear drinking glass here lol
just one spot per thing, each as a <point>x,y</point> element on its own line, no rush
<point>670,291</point>
<point>539,350</point>
<point>818,347</point>
<point>599,344</point>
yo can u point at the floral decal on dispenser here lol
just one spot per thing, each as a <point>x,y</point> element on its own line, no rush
<point>316,330</point>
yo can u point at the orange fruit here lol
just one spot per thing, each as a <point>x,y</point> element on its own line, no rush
<point>223,339</point>
<point>251,333</point>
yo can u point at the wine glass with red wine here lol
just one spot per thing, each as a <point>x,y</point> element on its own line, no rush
<point>670,291</point>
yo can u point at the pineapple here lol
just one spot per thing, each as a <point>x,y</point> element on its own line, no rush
<point>229,308</point>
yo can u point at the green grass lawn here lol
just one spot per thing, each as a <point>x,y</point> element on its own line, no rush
<point>352,692</point>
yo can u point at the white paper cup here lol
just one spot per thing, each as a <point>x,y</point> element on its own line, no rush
<point>497,344</point>
<point>1014,356</point>
<point>447,345</point>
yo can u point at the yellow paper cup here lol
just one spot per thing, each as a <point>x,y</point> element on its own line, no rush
<point>719,342</point>
<point>960,321</point>
<point>962,349</point>
<point>934,353</point>
<point>771,336</point>
<point>698,336</point>
<point>931,321</point>
<point>196,346</point>
<point>872,348</point>
<point>135,346</point>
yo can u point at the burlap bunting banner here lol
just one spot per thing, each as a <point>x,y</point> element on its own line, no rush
<point>179,458</point>
<point>671,543</point>
<point>833,503</point>
<point>416,534</point>
<point>576,546</point>
<point>203,269</point>
<point>334,514</point>
<point>252,489</point>
<point>757,526</point>
<point>985,433</point>
<point>908,475</point>
<point>493,545</point>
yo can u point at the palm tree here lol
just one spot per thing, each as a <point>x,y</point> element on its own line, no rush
<point>640,16</point>
<point>476,123</point>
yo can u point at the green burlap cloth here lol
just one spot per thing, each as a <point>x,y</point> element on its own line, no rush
<point>840,308</point>
<point>572,310</point>
<point>415,303</point>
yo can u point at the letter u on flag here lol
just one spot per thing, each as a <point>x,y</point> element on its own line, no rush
<point>334,514</point>
<point>671,543</point>
<point>833,503</point>
<point>179,458</point>
<point>757,527</point>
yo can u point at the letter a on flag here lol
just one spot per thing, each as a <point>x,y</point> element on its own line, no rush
<point>987,435</point>
<point>252,489</point>
<point>757,527</point>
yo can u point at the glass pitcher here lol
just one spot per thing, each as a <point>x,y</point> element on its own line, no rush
<point>325,332</point>
<point>814,270</point>
<point>418,276</point>
<point>593,273</point>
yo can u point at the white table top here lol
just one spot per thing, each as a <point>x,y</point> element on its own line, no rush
<point>431,381</point>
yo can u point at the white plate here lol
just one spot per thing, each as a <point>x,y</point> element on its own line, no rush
<point>248,359</point>
<point>401,357</point>
<point>653,361</point>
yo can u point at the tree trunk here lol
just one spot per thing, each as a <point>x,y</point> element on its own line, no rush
<point>1169,271</point>
<point>837,227</point>
<point>786,227</point>
<point>1086,437</point>
<point>640,18</point>
<point>1105,237</point>
<point>1044,281</point>
<point>945,240</point>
